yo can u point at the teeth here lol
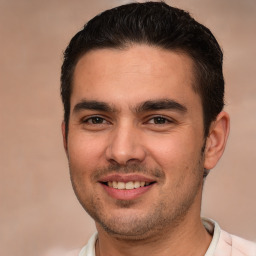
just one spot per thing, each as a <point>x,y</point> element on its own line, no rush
<point>114,184</point>
<point>136,184</point>
<point>142,183</point>
<point>121,185</point>
<point>127,185</point>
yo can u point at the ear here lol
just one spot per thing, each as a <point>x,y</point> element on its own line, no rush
<point>63,129</point>
<point>216,140</point>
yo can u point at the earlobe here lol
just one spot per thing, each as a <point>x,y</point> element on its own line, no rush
<point>216,140</point>
<point>63,129</point>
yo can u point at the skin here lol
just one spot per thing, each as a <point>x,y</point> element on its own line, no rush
<point>163,144</point>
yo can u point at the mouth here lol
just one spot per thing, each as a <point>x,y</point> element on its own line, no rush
<point>127,185</point>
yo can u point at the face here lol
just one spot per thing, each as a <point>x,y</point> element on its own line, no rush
<point>135,139</point>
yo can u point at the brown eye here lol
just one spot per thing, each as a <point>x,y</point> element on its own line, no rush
<point>158,120</point>
<point>95,120</point>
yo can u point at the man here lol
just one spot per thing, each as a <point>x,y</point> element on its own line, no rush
<point>142,88</point>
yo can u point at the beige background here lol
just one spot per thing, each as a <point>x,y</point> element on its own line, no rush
<point>38,208</point>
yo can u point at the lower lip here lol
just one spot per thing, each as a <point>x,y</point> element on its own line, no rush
<point>126,194</point>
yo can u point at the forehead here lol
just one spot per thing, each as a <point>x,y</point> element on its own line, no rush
<point>137,73</point>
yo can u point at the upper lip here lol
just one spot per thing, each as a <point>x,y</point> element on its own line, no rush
<point>126,178</point>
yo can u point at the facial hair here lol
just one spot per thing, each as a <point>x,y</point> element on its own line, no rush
<point>169,212</point>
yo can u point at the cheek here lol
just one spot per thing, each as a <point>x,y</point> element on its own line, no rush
<point>177,155</point>
<point>85,152</point>
<point>172,148</point>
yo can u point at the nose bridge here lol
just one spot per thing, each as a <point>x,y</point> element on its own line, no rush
<point>125,144</point>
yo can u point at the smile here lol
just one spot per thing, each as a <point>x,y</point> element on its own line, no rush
<point>127,185</point>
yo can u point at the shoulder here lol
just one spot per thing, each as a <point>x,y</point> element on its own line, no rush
<point>89,248</point>
<point>237,246</point>
<point>61,252</point>
<point>72,253</point>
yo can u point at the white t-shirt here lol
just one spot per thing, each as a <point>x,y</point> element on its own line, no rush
<point>222,244</point>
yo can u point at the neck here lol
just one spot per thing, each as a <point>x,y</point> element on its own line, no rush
<point>187,238</point>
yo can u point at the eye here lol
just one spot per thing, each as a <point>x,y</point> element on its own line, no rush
<point>95,120</point>
<point>159,120</point>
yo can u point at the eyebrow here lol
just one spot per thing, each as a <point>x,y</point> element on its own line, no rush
<point>162,104</point>
<point>150,105</point>
<point>93,105</point>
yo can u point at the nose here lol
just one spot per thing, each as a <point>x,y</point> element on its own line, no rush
<point>125,145</point>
